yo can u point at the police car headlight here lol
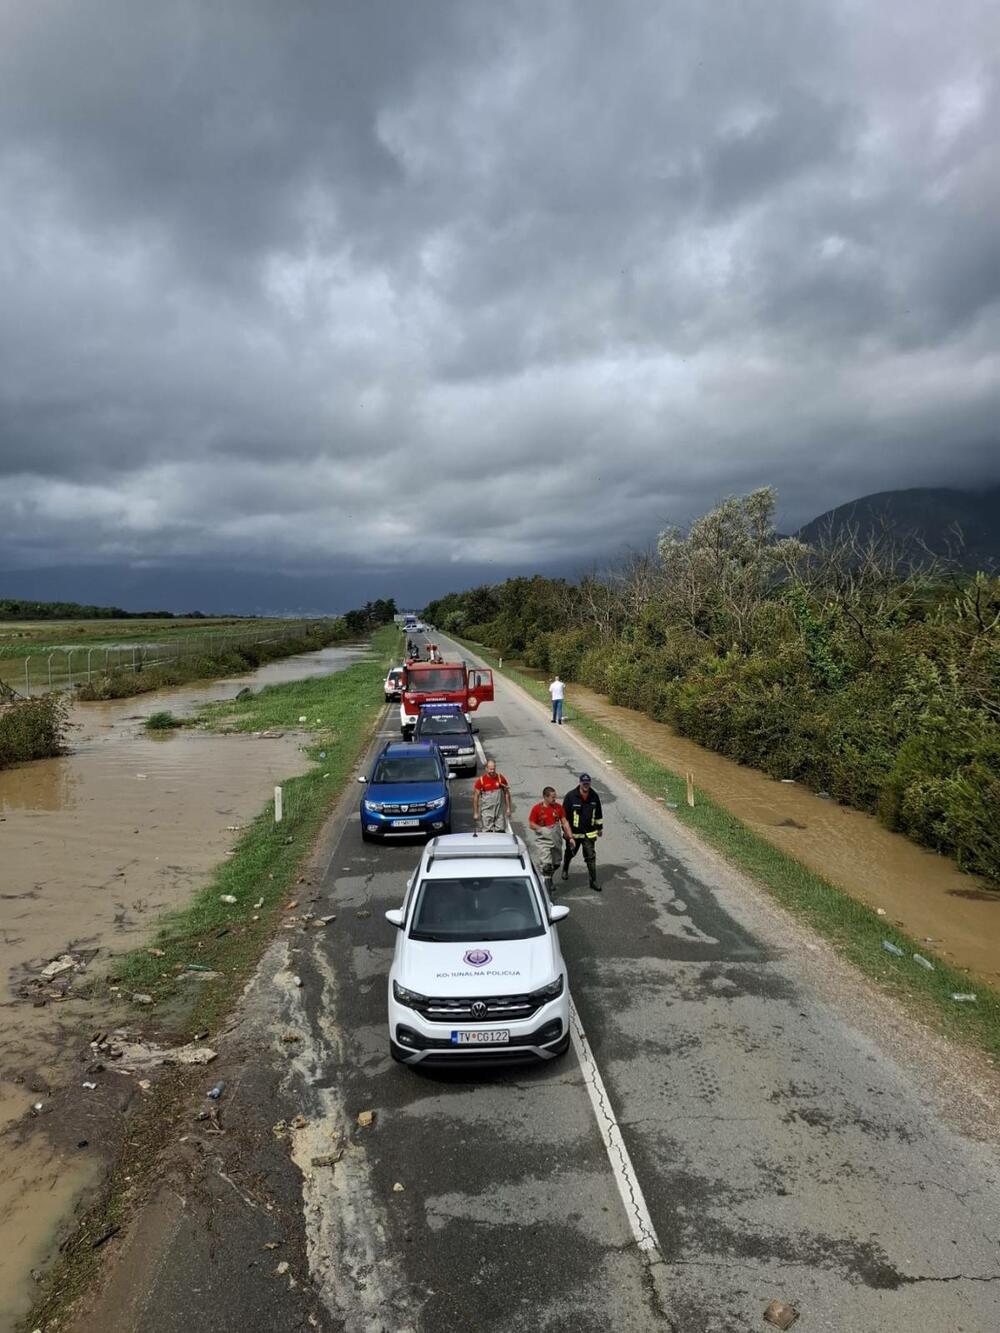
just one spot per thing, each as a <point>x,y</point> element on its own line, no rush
<point>550,992</point>
<point>374,806</point>
<point>411,998</point>
<point>471,750</point>
<point>437,804</point>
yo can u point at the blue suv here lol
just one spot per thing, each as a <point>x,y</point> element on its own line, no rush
<point>446,726</point>
<point>407,793</point>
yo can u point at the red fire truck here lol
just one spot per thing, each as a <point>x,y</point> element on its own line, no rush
<point>442,682</point>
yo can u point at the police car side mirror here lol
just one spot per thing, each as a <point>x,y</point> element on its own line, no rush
<point>558,912</point>
<point>362,778</point>
<point>395,917</point>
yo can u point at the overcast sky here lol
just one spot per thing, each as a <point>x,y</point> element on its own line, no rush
<point>323,286</point>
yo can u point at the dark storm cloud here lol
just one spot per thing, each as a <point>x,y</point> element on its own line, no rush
<point>507,283</point>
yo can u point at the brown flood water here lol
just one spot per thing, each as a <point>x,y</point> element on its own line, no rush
<point>958,914</point>
<point>94,846</point>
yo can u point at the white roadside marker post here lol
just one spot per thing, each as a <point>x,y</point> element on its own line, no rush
<point>278,805</point>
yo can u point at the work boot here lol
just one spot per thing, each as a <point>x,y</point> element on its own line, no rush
<point>565,873</point>
<point>595,886</point>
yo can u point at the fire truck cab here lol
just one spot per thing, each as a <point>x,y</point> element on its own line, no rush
<point>442,682</point>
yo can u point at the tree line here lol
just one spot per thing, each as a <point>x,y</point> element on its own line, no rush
<point>856,665</point>
<point>13,608</point>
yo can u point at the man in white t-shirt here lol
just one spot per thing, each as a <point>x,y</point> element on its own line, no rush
<point>557,692</point>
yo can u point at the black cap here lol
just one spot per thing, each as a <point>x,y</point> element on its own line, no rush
<point>585,777</point>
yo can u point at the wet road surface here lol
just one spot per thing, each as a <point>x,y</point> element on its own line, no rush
<point>786,1145</point>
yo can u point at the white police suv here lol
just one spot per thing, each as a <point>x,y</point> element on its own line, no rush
<point>477,974</point>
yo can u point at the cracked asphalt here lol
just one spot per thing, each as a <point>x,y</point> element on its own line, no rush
<point>786,1140</point>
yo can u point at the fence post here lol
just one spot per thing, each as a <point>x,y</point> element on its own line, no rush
<point>278,805</point>
<point>90,653</point>
<point>49,664</point>
<point>27,674</point>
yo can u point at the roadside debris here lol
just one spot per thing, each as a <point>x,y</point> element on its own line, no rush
<point>89,1086</point>
<point>880,911</point>
<point>366,1118</point>
<point>363,915</point>
<point>924,962</point>
<point>397,1188</point>
<point>780,1315</point>
<point>226,898</point>
<point>215,1093</point>
<point>894,949</point>
<point>64,963</point>
<point>963,997</point>
<point>132,1056</point>
<point>282,1268</point>
<point>270,1244</point>
<point>139,997</point>
<point>104,1237</point>
<point>328,1158</point>
<point>156,953</point>
<point>258,904</point>
<point>300,1122</point>
<point>297,981</point>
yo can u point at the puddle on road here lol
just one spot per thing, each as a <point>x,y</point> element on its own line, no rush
<point>926,892</point>
<point>94,846</point>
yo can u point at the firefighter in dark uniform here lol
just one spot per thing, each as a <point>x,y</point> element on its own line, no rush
<point>586,821</point>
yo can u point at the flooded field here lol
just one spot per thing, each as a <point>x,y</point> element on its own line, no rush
<point>94,846</point>
<point>927,893</point>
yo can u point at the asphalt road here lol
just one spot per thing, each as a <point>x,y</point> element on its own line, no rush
<point>783,1144</point>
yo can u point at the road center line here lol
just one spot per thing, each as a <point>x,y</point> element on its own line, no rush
<point>621,1164</point>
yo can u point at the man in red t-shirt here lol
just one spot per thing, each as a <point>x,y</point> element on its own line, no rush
<point>550,826</point>
<point>491,800</point>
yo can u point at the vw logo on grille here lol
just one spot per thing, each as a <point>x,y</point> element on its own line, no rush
<point>479,1009</point>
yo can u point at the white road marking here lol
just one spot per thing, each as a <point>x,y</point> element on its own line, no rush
<point>480,752</point>
<point>621,1164</point>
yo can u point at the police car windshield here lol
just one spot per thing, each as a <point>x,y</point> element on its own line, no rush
<point>418,768</point>
<point>437,678</point>
<point>442,724</point>
<point>476,910</point>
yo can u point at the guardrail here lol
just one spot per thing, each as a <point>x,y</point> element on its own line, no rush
<point>66,667</point>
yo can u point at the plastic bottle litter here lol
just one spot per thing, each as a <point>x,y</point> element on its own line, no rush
<point>894,949</point>
<point>924,962</point>
<point>963,997</point>
<point>215,1093</point>
<point>226,898</point>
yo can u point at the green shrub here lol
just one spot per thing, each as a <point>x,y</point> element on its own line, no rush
<point>32,729</point>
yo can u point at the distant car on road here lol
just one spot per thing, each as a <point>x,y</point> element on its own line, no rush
<point>407,793</point>
<point>394,685</point>
<point>446,726</point>
<point>477,974</point>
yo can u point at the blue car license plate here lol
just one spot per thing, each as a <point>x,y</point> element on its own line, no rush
<point>405,823</point>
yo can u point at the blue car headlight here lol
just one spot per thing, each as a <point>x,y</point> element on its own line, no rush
<point>550,992</point>
<point>374,806</point>
<point>438,804</point>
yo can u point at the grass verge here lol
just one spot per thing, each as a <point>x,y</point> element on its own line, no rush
<point>855,930</point>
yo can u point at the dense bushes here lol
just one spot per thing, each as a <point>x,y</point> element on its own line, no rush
<point>845,668</point>
<point>31,729</point>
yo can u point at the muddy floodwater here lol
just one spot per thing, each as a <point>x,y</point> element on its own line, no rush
<point>957,915</point>
<point>94,846</point>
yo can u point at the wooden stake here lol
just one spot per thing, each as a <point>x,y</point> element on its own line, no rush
<point>690,785</point>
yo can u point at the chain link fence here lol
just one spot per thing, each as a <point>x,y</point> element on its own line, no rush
<point>65,667</point>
